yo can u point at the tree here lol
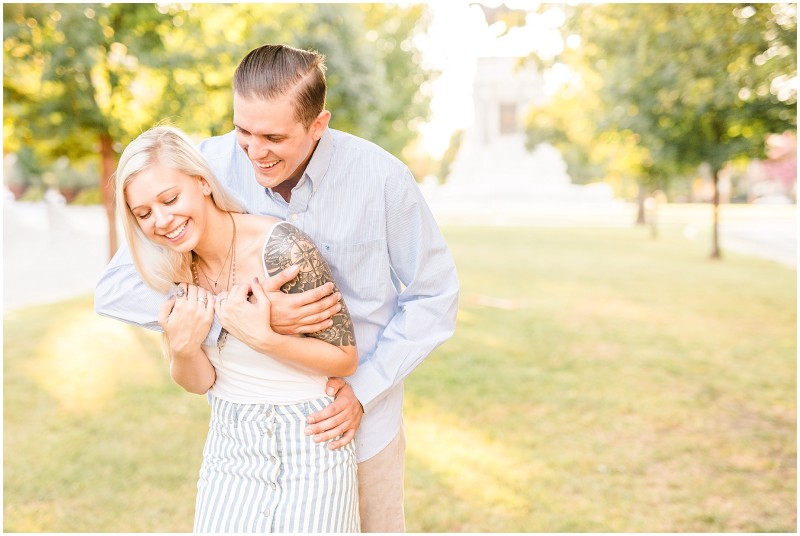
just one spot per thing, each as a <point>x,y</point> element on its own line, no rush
<point>81,80</point>
<point>695,83</point>
<point>572,121</point>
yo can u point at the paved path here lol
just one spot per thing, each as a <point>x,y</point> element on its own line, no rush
<point>52,255</point>
<point>767,231</point>
<point>776,240</point>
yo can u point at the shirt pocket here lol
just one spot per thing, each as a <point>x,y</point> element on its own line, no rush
<point>360,270</point>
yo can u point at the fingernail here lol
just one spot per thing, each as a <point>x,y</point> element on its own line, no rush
<point>255,280</point>
<point>330,323</point>
<point>330,391</point>
<point>310,420</point>
<point>309,431</point>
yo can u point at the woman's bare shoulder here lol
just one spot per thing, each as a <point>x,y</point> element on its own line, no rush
<point>251,229</point>
<point>256,223</point>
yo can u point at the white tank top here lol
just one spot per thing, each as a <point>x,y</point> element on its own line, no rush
<point>245,376</point>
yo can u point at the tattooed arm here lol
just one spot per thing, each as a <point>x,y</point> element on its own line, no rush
<point>287,246</point>
<point>331,351</point>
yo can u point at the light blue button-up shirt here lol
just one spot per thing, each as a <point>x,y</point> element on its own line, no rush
<point>367,216</point>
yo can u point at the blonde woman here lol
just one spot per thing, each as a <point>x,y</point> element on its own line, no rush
<point>260,472</point>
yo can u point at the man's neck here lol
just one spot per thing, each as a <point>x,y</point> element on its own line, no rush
<point>285,188</point>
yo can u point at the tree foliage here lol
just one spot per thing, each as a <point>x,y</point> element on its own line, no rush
<point>688,79</point>
<point>82,80</point>
<point>686,83</point>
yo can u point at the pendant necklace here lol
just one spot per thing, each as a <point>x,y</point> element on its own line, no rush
<point>231,278</point>
<point>231,255</point>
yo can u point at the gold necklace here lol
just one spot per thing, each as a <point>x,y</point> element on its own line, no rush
<point>231,255</point>
<point>223,336</point>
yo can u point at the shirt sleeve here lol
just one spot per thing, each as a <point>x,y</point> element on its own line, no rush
<point>426,309</point>
<point>121,294</point>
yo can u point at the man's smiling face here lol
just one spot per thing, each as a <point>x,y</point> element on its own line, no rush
<point>277,144</point>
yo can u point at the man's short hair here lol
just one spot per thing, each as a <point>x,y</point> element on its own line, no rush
<point>271,71</point>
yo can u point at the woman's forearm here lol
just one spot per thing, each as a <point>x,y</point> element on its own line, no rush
<point>192,370</point>
<point>311,354</point>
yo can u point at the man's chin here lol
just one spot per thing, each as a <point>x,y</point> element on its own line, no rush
<point>267,181</point>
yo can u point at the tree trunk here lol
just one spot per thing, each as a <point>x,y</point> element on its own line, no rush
<point>107,167</point>
<point>715,252</point>
<point>640,215</point>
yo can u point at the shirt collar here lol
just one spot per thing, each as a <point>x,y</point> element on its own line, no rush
<point>320,160</point>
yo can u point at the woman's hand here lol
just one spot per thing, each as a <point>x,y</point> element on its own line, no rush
<point>249,321</point>
<point>244,312</point>
<point>186,318</point>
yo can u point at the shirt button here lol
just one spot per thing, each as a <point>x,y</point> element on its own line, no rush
<point>273,485</point>
<point>273,459</point>
<point>266,513</point>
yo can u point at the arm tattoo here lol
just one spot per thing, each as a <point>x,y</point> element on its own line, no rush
<point>288,245</point>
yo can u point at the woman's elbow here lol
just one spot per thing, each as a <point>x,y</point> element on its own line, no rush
<point>350,362</point>
<point>349,371</point>
<point>195,389</point>
<point>196,386</point>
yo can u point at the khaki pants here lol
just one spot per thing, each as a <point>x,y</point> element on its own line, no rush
<point>380,488</point>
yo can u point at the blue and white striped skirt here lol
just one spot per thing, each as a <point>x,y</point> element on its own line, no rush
<point>261,473</point>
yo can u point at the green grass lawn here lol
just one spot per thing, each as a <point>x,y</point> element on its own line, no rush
<point>598,381</point>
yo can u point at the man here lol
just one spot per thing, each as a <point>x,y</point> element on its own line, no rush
<point>365,212</point>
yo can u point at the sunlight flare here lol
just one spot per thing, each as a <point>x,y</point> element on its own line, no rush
<point>446,448</point>
<point>82,361</point>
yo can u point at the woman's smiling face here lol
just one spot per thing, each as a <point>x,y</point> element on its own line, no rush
<point>169,206</point>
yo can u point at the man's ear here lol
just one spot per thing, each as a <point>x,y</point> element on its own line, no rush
<point>320,124</point>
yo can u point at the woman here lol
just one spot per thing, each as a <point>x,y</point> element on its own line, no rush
<point>260,472</point>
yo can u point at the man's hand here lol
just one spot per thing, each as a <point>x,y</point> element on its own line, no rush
<point>306,312</point>
<point>342,417</point>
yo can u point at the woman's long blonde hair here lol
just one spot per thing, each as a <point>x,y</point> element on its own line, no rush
<point>160,266</point>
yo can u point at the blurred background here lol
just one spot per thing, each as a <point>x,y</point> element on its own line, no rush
<point>617,183</point>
